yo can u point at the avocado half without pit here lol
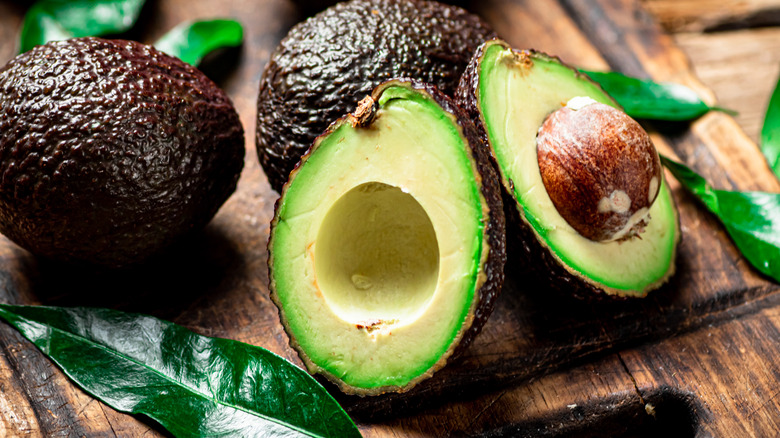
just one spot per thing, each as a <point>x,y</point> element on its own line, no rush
<point>584,189</point>
<point>387,244</point>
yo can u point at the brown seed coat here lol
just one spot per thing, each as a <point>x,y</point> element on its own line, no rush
<point>600,169</point>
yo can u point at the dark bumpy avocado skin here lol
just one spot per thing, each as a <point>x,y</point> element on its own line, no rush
<point>327,63</point>
<point>494,232</point>
<point>311,7</point>
<point>111,150</point>
<point>535,259</point>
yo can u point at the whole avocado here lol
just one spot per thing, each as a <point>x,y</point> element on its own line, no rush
<point>111,150</point>
<point>327,63</point>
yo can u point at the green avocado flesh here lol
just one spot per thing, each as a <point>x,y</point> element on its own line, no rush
<point>515,97</point>
<point>377,247</point>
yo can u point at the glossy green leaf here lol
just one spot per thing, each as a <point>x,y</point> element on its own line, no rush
<point>192,385</point>
<point>770,132</point>
<point>752,219</point>
<point>50,20</point>
<point>645,99</point>
<point>191,41</point>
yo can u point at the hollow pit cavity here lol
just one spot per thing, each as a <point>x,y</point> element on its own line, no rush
<point>377,257</point>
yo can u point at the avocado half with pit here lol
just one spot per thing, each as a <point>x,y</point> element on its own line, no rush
<point>584,190</point>
<point>386,250</point>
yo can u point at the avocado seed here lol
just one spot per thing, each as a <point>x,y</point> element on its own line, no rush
<point>600,169</point>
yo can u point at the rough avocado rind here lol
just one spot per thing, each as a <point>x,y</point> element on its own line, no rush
<point>575,265</point>
<point>418,143</point>
<point>111,150</point>
<point>327,63</point>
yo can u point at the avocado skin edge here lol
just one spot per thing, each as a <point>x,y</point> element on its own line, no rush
<point>535,259</point>
<point>111,151</point>
<point>494,238</point>
<point>327,63</point>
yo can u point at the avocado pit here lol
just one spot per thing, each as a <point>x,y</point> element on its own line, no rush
<point>600,169</point>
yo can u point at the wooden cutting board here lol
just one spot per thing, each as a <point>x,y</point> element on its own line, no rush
<point>696,358</point>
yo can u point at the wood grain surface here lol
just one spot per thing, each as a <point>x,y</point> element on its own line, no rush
<point>713,15</point>
<point>696,358</point>
<point>734,47</point>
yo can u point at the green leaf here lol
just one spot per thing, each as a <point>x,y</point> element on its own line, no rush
<point>38,28</point>
<point>770,132</point>
<point>752,219</point>
<point>50,20</point>
<point>192,385</point>
<point>645,99</point>
<point>191,41</point>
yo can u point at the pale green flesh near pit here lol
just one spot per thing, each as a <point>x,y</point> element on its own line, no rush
<point>378,245</point>
<point>515,100</point>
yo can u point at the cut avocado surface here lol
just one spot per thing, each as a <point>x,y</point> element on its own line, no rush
<point>512,93</point>
<point>386,248</point>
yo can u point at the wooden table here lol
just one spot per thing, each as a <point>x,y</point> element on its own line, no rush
<point>696,358</point>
